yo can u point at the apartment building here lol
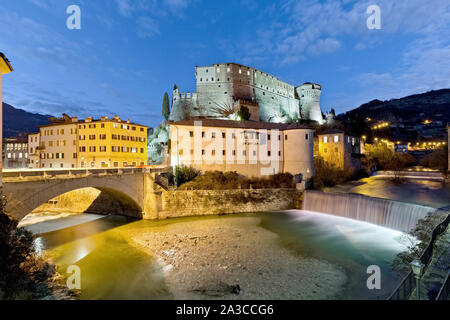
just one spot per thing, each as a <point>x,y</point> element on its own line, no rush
<point>341,149</point>
<point>68,142</point>
<point>15,153</point>
<point>111,143</point>
<point>33,150</point>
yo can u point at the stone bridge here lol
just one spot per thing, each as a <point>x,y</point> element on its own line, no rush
<point>134,187</point>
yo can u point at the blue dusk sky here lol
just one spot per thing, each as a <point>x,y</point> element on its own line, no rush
<point>128,53</point>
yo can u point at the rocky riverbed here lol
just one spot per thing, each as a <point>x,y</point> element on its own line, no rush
<point>207,259</point>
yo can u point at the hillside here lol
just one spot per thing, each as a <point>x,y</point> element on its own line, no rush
<point>18,122</point>
<point>432,105</point>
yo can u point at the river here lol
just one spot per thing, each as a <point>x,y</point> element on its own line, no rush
<point>274,255</point>
<point>337,251</point>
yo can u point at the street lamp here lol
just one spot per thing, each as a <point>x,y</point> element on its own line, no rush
<point>417,268</point>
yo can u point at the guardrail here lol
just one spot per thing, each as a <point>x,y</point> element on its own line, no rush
<point>444,293</point>
<point>407,285</point>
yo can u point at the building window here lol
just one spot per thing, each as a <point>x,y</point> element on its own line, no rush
<point>325,139</point>
<point>285,137</point>
<point>336,138</point>
<point>102,148</point>
<point>306,136</point>
<point>203,152</point>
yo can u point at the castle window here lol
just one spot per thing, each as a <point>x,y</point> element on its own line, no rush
<point>203,152</point>
<point>212,79</point>
<point>325,139</point>
<point>218,70</point>
<point>240,71</point>
<point>225,92</point>
<point>191,134</point>
<point>336,138</point>
<point>206,70</point>
<point>201,79</point>
<point>218,79</point>
<point>228,79</point>
<point>268,153</point>
<point>306,136</point>
<point>285,137</point>
<point>228,70</point>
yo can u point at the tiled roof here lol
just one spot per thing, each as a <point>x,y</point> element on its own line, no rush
<point>219,123</point>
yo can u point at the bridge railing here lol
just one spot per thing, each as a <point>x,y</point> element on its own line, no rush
<point>444,293</point>
<point>407,285</point>
<point>78,172</point>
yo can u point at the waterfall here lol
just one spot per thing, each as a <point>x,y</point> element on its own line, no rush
<point>391,214</point>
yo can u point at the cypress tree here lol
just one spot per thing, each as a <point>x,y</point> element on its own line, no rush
<point>166,106</point>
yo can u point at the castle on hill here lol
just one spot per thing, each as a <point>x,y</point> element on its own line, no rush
<point>223,88</point>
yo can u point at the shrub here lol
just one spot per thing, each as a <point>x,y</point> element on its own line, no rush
<point>184,174</point>
<point>244,113</point>
<point>217,180</point>
<point>23,274</point>
<point>417,240</point>
<point>328,175</point>
<point>438,160</point>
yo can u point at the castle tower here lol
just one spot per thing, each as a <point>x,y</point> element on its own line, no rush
<point>309,95</point>
<point>5,67</point>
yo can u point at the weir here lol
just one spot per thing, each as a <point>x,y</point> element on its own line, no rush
<point>391,214</point>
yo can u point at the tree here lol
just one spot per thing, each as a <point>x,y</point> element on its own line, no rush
<point>244,113</point>
<point>166,106</point>
<point>438,159</point>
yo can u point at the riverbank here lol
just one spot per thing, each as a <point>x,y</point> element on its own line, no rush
<point>208,259</point>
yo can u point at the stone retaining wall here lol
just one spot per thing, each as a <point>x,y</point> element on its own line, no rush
<point>211,202</point>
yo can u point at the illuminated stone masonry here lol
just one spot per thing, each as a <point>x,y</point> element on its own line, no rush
<point>223,88</point>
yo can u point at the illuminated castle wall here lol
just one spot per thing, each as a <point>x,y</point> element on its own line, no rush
<point>226,85</point>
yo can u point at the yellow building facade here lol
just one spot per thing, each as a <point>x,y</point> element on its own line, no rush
<point>339,149</point>
<point>111,143</point>
<point>104,143</point>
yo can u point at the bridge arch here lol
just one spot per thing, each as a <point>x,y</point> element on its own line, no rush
<point>25,196</point>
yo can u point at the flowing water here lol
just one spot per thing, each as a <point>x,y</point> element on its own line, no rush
<point>113,268</point>
<point>391,214</point>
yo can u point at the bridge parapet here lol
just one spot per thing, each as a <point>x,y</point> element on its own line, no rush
<point>33,175</point>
